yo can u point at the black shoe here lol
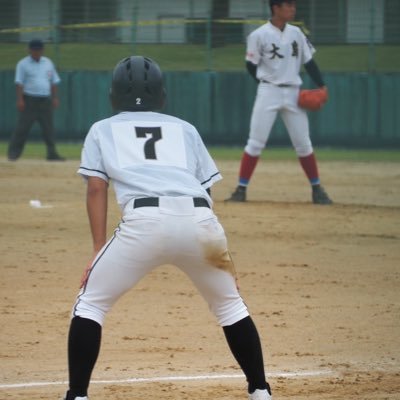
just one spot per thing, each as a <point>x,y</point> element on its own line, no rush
<point>319,196</point>
<point>55,157</point>
<point>13,156</point>
<point>68,397</point>
<point>239,195</point>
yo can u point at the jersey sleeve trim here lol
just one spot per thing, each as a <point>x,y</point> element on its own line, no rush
<point>213,178</point>
<point>93,172</point>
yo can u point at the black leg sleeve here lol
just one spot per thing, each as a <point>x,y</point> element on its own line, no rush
<point>245,345</point>
<point>83,349</point>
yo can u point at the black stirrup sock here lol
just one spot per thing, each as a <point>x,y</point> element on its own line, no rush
<point>83,349</point>
<point>245,345</point>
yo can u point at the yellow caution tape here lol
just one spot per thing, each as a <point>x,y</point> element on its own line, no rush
<point>122,24</point>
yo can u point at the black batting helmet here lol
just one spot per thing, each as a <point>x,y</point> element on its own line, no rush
<point>137,85</point>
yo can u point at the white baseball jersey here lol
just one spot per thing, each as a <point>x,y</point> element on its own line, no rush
<point>148,154</point>
<point>278,54</point>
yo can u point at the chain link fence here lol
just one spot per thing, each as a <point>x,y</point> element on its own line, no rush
<point>210,26</point>
<point>200,45</point>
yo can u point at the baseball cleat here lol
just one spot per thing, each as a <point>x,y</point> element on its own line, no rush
<point>319,196</point>
<point>81,398</point>
<point>260,395</point>
<point>55,157</point>
<point>68,397</point>
<point>239,195</point>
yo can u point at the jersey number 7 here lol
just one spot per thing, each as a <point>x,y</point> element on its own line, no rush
<point>150,145</point>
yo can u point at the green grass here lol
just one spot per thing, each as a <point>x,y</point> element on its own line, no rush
<point>72,151</point>
<point>323,154</point>
<point>186,57</point>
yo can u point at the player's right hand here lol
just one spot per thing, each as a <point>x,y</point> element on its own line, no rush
<point>86,272</point>
<point>85,276</point>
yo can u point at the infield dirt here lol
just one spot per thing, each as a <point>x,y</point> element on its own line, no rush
<point>321,282</point>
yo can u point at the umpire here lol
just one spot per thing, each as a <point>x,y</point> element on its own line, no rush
<point>36,82</point>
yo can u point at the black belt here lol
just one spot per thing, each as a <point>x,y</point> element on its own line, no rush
<point>154,202</point>
<point>279,85</point>
<point>37,98</point>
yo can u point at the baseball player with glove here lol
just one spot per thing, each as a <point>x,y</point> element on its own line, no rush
<point>275,54</point>
<point>162,176</point>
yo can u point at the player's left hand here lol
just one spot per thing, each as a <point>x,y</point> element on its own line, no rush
<point>313,99</point>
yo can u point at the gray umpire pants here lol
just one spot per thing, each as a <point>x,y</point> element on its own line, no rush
<point>38,109</point>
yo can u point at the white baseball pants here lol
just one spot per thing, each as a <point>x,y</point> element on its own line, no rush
<point>271,100</point>
<point>175,233</point>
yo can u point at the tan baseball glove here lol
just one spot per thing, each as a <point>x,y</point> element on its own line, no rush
<point>312,99</point>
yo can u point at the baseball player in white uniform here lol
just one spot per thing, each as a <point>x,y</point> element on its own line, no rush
<point>162,175</point>
<point>275,53</point>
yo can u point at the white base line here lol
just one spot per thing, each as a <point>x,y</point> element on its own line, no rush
<point>169,378</point>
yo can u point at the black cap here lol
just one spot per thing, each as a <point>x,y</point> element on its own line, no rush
<point>278,2</point>
<point>36,44</point>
